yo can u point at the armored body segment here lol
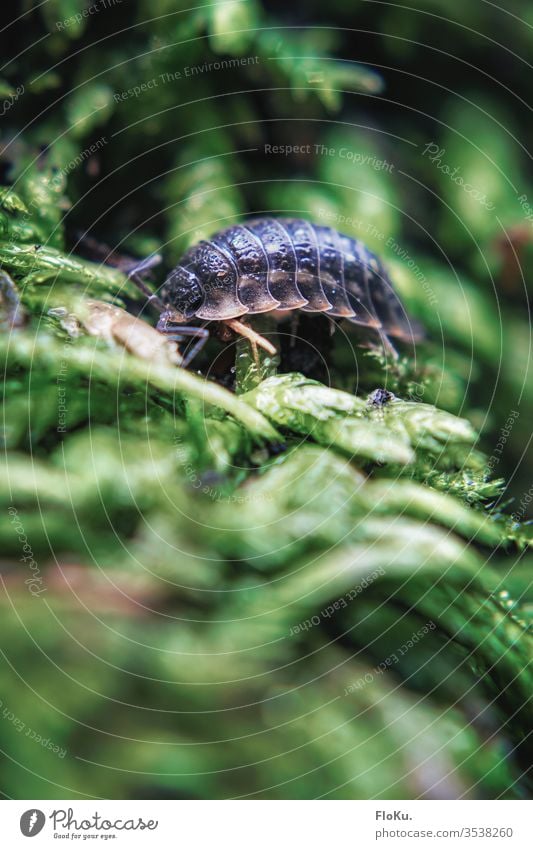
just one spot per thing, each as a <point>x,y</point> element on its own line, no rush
<point>358,281</point>
<point>306,249</point>
<point>331,270</point>
<point>282,262</point>
<point>389,308</point>
<point>249,257</point>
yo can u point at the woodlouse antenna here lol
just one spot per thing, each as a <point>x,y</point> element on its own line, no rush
<point>135,275</point>
<point>132,268</point>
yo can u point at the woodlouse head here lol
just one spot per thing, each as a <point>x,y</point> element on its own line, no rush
<point>183,293</point>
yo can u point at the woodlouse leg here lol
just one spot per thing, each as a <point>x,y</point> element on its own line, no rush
<point>333,324</point>
<point>295,321</point>
<point>255,338</point>
<point>177,334</point>
<point>255,354</point>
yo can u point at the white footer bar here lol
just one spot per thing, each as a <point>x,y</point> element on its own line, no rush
<point>268,824</point>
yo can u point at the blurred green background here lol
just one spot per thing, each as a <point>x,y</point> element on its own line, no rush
<point>184,538</point>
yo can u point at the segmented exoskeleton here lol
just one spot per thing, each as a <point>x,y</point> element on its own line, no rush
<point>278,265</point>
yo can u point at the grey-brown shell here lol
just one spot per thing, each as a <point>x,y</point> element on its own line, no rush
<point>284,264</point>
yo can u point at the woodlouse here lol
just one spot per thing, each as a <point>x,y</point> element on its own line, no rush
<point>277,265</point>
